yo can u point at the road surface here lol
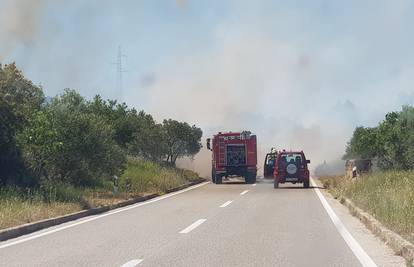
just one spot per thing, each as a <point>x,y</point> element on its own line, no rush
<point>232,224</point>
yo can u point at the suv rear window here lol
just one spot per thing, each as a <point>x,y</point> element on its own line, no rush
<point>291,158</point>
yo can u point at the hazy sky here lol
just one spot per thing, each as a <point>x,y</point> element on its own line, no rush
<point>301,74</point>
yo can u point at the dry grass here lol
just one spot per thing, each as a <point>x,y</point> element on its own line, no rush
<point>17,208</point>
<point>143,176</point>
<point>20,206</point>
<point>388,196</point>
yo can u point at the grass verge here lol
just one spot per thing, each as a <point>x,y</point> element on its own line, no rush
<point>22,205</point>
<point>388,196</point>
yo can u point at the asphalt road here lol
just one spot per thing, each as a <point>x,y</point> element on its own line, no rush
<point>208,225</point>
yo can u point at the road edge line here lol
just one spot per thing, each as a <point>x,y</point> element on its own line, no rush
<point>355,247</point>
<point>397,243</point>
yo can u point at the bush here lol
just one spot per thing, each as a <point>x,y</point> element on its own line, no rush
<point>19,100</point>
<point>391,142</point>
<point>145,176</point>
<point>61,192</point>
<point>72,141</point>
<point>66,144</point>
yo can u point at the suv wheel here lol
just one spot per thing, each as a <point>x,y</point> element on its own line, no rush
<point>306,184</point>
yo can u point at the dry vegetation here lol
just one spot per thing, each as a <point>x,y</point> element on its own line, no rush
<point>19,206</point>
<point>388,196</point>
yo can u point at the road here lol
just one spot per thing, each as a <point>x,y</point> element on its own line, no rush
<point>231,224</point>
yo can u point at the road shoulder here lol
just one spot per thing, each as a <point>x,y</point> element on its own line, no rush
<point>25,229</point>
<point>381,254</point>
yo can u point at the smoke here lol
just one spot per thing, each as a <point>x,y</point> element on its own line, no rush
<point>182,4</point>
<point>293,91</point>
<point>19,20</point>
<point>300,75</point>
<point>252,82</point>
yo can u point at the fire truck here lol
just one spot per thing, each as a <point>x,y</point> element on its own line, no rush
<point>234,154</point>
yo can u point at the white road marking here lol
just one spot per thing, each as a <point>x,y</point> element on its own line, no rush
<point>100,216</point>
<point>356,248</point>
<point>132,263</point>
<point>193,226</point>
<point>225,204</point>
<point>254,184</point>
<point>244,192</point>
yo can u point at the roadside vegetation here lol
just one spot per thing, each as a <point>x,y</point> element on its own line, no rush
<point>387,193</point>
<point>141,177</point>
<point>388,196</point>
<point>391,143</point>
<point>62,154</point>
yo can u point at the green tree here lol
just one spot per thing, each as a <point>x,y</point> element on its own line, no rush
<point>149,138</point>
<point>407,137</point>
<point>363,144</point>
<point>123,120</point>
<point>397,140</point>
<point>181,140</point>
<point>19,100</point>
<point>67,143</point>
<point>391,143</point>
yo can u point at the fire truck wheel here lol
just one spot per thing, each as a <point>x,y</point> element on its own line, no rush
<point>213,175</point>
<point>219,179</point>
<point>250,178</point>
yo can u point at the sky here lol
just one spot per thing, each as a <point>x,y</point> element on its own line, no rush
<point>299,74</point>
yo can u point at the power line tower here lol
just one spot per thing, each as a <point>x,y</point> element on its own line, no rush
<point>119,73</point>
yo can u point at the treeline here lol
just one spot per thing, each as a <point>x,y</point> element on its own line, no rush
<point>391,143</point>
<point>81,142</point>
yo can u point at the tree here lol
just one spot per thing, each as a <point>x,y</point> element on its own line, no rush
<point>65,142</point>
<point>181,140</point>
<point>397,140</point>
<point>149,139</point>
<point>19,100</point>
<point>363,144</point>
<point>124,121</point>
<point>391,143</point>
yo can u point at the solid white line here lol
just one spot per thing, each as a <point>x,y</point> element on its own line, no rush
<point>244,192</point>
<point>100,216</point>
<point>193,226</point>
<point>225,204</point>
<point>356,248</point>
<point>132,263</point>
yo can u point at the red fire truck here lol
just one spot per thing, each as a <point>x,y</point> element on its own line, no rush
<point>234,154</point>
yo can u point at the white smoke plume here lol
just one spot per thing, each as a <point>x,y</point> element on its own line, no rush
<point>300,75</point>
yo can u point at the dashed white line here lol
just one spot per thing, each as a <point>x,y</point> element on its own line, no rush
<point>254,184</point>
<point>225,204</point>
<point>356,248</point>
<point>132,263</point>
<point>193,226</point>
<point>244,192</point>
<point>31,237</point>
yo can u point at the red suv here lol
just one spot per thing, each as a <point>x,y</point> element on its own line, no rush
<point>291,167</point>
